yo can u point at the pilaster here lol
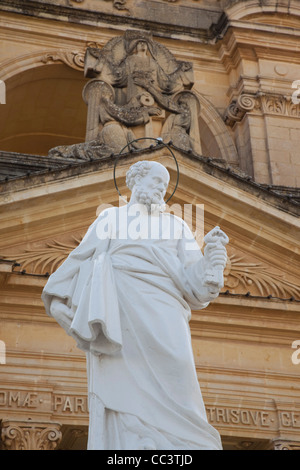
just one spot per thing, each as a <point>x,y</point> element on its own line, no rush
<point>267,132</point>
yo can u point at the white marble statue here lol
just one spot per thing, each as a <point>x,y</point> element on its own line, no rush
<point>125,294</point>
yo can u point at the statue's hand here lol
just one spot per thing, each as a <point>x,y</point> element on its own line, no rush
<point>215,256</point>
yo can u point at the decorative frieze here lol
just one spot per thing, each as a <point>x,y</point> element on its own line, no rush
<point>30,435</point>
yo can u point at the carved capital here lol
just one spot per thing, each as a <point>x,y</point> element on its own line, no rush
<point>265,103</point>
<point>238,108</point>
<point>282,444</point>
<point>30,435</point>
<point>281,105</point>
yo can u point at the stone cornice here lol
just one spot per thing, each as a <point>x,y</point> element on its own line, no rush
<point>16,165</point>
<point>236,42</point>
<point>218,169</point>
<point>211,25</point>
<point>205,26</point>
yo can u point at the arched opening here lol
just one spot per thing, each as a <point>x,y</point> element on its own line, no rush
<point>216,140</point>
<point>44,108</point>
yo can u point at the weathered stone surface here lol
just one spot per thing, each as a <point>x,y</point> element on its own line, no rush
<point>136,79</point>
<point>198,21</point>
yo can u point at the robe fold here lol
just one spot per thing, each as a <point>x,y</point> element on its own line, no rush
<point>127,302</point>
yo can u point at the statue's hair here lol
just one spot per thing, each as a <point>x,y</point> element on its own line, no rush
<point>136,172</point>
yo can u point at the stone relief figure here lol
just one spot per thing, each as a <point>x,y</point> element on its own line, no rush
<point>125,294</point>
<point>142,73</point>
<point>139,64</point>
<point>134,81</point>
<point>115,121</point>
<point>134,55</point>
<point>110,127</point>
<point>182,127</point>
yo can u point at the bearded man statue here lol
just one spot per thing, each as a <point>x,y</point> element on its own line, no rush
<point>125,294</point>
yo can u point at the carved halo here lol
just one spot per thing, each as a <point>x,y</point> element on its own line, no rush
<point>158,142</point>
<point>99,84</point>
<point>191,96</point>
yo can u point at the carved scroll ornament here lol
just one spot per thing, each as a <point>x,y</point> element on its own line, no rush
<point>238,108</point>
<point>73,59</point>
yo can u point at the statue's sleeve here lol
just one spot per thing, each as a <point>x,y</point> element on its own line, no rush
<point>196,293</point>
<point>81,294</point>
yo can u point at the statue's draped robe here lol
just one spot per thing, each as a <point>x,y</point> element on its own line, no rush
<point>127,303</point>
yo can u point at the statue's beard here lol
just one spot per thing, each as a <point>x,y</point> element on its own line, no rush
<point>153,202</point>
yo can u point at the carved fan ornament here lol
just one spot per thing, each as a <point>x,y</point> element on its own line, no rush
<point>241,275</point>
<point>45,258</point>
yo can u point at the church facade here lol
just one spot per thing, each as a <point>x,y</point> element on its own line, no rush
<point>210,89</point>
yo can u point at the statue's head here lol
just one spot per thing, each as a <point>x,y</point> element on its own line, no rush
<point>141,46</point>
<point>148,181</point>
